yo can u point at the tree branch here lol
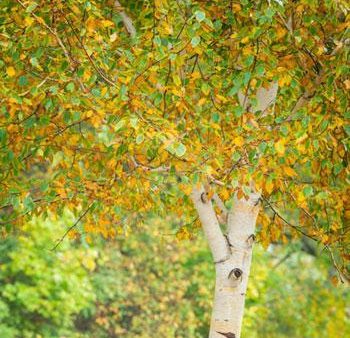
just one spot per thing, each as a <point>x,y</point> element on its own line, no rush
<point>71,228</point>
<point>265,97</point>
<point>128,24</point>
<point>60,43</point>
<point>217,242</point>
<point>222,218</point>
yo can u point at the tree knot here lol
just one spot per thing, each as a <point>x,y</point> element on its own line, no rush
<point>204,197</point>
<point>235,273</point>
<point>227,334</point>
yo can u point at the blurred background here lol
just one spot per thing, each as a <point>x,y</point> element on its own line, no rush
<point>156,282</point>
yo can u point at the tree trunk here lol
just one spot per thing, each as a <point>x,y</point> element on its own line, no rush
<point>232,256</point>
<point>232,253</point>
<point>232,275</point>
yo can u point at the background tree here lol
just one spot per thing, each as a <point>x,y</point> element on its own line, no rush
<point>122,288</point>
<point>121,112</point>
<point>42,290</point>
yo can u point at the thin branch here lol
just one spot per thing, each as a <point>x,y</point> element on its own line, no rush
<point>98,70</point>
<point>276,213</point>
<point>309,94</point>
<point>71,228</point>
<point>343,278</point>
<point>222,218</point>
<point>282,260</point>
<point>159,169</point>
<point>38,86</point>
<point>59,41</point>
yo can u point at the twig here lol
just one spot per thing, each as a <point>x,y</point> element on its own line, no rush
<point>71,228</point>
<point>98,70</point>
<point>159,169</point>
<point>283,259</point>
<point>276,213</point>
<point>38,86</point>
<point>222,218</point>
<point>59,41</point>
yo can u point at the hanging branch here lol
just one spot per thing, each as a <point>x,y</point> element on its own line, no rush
<point>71,228</point>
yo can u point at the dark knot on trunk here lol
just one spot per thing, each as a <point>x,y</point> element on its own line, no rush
<point>235,273</point>
<point>251,240</point>
<point>227,334</point>
<point>204,197</point>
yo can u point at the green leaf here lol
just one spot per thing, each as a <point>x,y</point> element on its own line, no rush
<point>119,125</point>
<point>308,191</point>
<point>139,138</point>
<point>200,16</point>
<point>31,7</point>
<point>238,111</point>
<point>22,81</point>
<point>180,150</point>
<point>70,87</point>
<point>236,156</point>
<point>195,41</point>
<point>215,117</point>
<point>34,61</point>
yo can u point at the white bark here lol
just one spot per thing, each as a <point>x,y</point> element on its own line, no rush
<point>210,224</point>
<point>232,257</point>
<point>233,254</point>
<point>232,275</point>
<point>128,24</point>
<point>265,98</point>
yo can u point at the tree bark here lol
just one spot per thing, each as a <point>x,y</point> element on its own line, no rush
<point>232,257</point>
<point>232,253</point>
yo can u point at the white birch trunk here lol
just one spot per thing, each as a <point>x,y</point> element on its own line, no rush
<point>233,254</point>
<point>232,257</point>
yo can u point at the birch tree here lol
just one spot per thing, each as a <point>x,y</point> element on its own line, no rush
<point>231,115</point>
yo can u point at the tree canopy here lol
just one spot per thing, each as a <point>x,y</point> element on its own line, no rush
<point>116,112</point>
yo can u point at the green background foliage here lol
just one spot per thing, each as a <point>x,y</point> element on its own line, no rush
<point>151,285</point>
<point>41,290</point>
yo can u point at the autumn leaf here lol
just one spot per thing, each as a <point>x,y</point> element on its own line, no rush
<point>10,71</point>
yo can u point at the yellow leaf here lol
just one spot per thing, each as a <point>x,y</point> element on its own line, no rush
<point>177,80</point>
<point>28,21</point>
<point>289,171</point>
<point>281,32</point>
<point>269,186</point>
<point>236,8</point>
<point>301,139</point>
<point>113,37</point>
<point>238,141</point>
<point>10,71</point>
<point>280,148</point>
<point>347,84</point>
<point>202,101</point>
<point>187,189</point>
<point>107,23</point>
<point>210,194</point>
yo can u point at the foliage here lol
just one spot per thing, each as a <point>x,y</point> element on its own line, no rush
<point>148,285</point>
<point>295,298</point>
<point>126,125</point>
<point>41,290</point>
